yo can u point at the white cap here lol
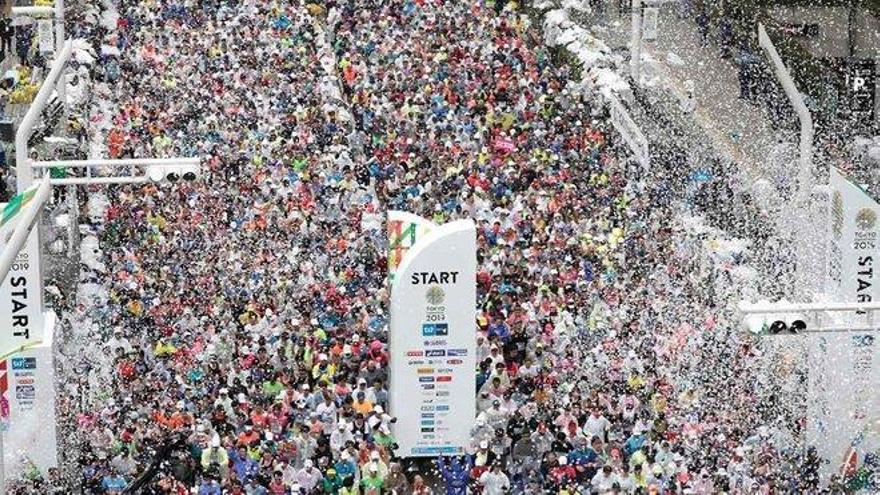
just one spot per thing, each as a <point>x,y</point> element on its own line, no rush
<point>484,444</point>
<point>374,454</point>
<point>563,460</point>
<point>309,463</point>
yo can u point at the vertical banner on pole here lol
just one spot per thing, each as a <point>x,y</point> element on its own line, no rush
<point>843,406</point>
<point>649,25</point>
<point>433,340</point>
<point>46,35</point>
<point>630,132</point>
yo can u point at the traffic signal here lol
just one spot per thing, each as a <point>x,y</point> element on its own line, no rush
<point>173,173</point>
<point>779,324</point>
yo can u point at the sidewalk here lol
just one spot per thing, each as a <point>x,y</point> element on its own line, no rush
<point>737,129</point>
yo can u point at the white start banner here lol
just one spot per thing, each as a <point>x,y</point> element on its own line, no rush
<point>432,341</point>
<point>843,405</point>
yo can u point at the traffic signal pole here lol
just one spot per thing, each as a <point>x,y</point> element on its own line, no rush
<point>130,170</point>
<point>796,217</point>
<point>805,172</point>
<point>24,173</point>
<point>816,316</point>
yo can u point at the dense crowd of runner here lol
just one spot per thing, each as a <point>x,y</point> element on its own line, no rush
<point>243,342</point>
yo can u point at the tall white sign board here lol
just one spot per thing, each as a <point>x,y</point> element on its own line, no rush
<point>433,340</point>
<point>27,372</point>
<point>843,406</point>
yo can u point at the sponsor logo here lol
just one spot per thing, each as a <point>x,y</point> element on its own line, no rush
<point>427,408</point>
<point>444,378</point>
<point>23,373</point>
<point>435,361</point>
<point>434,342</point>
<point>428,386</point>
<point>444,370</point>
<point>427,430</point>
<point>425,371</point>
<point>435,353</point>
<point>429,437</point>
<point>25,392</point>
<point>427,422</point>
<point>457,352</point>
<point>24,363</point>
<point>437,450</point>
<point>25,381</point>
<point>443,407</point>
<point>425,379</point>
<point>415,361</point>
<point>415,353</point>
<point>435,329</point>
<point>440,393</point>
<point>428,415</point>
<point>454,361</point>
